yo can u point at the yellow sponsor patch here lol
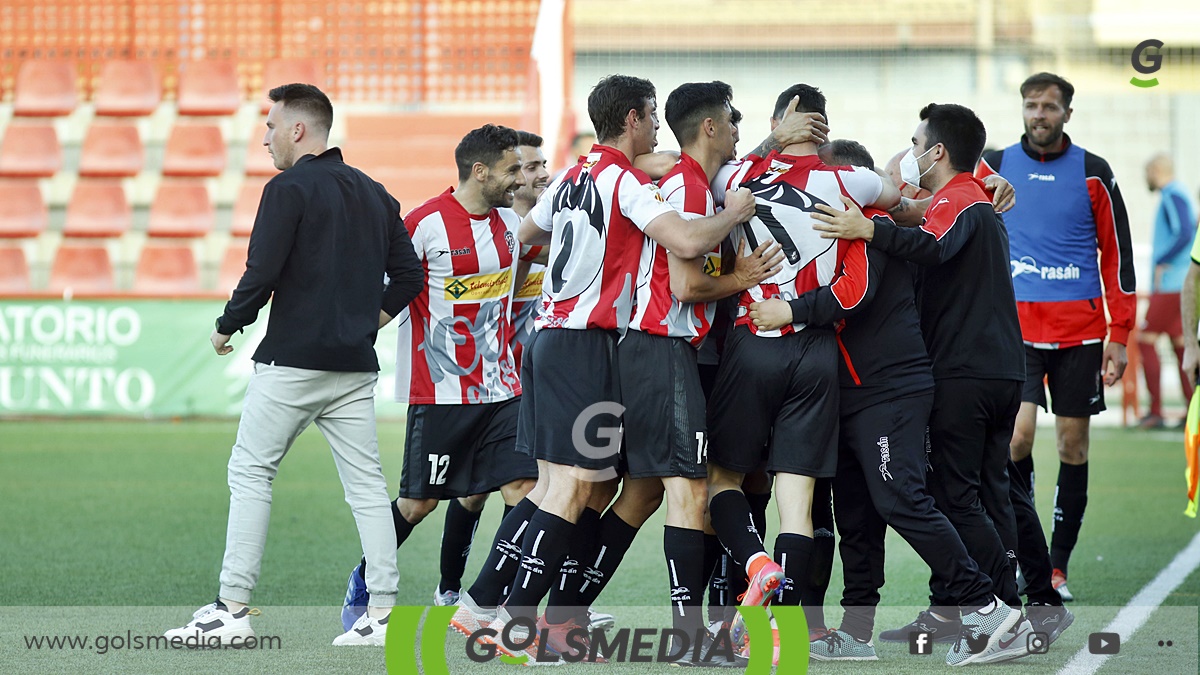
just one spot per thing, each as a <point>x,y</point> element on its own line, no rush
<point>478,287</point>
<point>532,288</point>
<point>712,264</point>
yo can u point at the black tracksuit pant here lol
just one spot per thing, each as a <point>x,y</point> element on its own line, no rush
<point>881,482</point>
<point>970,429</point>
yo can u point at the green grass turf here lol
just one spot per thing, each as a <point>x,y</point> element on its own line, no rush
<point>114,526</point>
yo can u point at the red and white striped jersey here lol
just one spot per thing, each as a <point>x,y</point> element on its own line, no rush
<point>525,304</point>
<point>596,211</point>
<point>455,337</point>
<point>786,190</point>
<point>658,312</point>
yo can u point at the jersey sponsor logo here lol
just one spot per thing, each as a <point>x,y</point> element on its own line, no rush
<point>1027,265</point>
<point>712,264</point>
<point>443,344</point>
<point>885,456</point>
<point>532,287</point>
<point>1044,177</point>
<point>478,287</point>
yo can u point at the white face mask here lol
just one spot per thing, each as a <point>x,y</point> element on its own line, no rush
<point>910,171</point>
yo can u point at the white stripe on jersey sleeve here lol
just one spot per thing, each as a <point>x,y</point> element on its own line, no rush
<point>864,185</point>
<point>543,211</point>
<point>640,202</point>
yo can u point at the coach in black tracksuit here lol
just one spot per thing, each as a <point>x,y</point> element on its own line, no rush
<point>969,322</point>
<point>887,390</point>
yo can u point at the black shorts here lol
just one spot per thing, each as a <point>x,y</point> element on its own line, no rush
<point>786,385</point>
<point>572,399</point>
<point>462,450</point>
<point>664,407</point>
<point>1075,376</point>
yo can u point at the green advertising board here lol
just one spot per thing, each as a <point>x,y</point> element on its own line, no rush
<point>134,357</point>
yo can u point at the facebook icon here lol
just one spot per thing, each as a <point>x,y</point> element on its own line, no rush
<point>920,643</point>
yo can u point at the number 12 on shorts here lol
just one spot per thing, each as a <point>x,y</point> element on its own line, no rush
<point>438,464</point>
<point>701,447</point>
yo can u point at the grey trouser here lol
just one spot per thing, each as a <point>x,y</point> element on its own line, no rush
<point>280,403</point>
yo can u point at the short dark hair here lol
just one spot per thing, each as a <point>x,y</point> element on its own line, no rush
<point>528,138</point>
<point>307,100</point>
<point>485,144</point>
<point>811,100</point>
<point>959,129</point>
<point>611,100</point>
<point>845,152</point>
<point>1040,81</point>
<point>692,103</point>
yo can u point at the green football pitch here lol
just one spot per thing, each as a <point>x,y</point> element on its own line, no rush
<point>117,529</point>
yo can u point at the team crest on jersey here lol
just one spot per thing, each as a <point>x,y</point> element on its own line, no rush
<point>777,169</point>
<point>654,191</point>
<point>509,239</point>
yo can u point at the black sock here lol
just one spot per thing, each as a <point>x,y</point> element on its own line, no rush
<point>616,536</point>
<point>793,552</point>
<point>457,535</point>
<point>564,594</point>
<point>542,552</point>
<point>716,562</point>
<point>497,573</point>
<point>815,585</point>
<point>1025,468</point>
<point>684,550</point>
<point>730,513</point>
<point>403,527</point>
<point>1070,501</point>
<point>758,511</point>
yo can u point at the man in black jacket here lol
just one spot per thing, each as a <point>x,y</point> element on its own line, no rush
<point>323,239</point>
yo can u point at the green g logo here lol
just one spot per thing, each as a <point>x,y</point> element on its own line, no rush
<point>1147,66</point>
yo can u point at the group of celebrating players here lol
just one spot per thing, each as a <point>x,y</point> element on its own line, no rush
<point>872,353</point>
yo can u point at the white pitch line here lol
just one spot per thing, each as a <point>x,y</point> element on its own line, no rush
<point>1134,615</point>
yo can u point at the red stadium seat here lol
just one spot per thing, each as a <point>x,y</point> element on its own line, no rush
<point>181,209</point>
<point>246,208</point>
<point>111,150</point>
<point>287,71</point>
<point>45,88</point>
<point>127,89</point>
<point>98,208</point>
<point>208,88</point>
<point>233,265</point>
<point>258,161</point>
<point>14,271</point>
<point>30,151</point>
<point>82,269</point>
<point>22,211</point>
<point>194,150</point>
<point>166,270</point>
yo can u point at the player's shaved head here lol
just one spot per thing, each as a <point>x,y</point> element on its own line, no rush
<point>845,152</point>
<point>692,103</point>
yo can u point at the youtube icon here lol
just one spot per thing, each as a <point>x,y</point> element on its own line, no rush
<point>1104,643</point>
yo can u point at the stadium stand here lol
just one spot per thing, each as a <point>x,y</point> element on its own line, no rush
<point>233,264</point>
<point>258,162</point>
<point>127,88</point>
<point>111,150</point>
<point>30,151</point>
<point>45,88</point>
<point>14,271</point>
<point>181,208</point>
<point>98,208</point>
<point>208,88</point>
<point>194,150</point>
<point>23,214</point>
<point>82,269</point>
<point>168,270</point>
<point>246,207</point>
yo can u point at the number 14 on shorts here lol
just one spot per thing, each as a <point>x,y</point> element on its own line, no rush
<point>701,447</point>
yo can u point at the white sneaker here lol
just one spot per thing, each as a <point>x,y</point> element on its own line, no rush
<point>1013,644</point>
<point>213,626</point>
<point>445,598</point>
<point>366,631</point>
<point>600,620</point>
